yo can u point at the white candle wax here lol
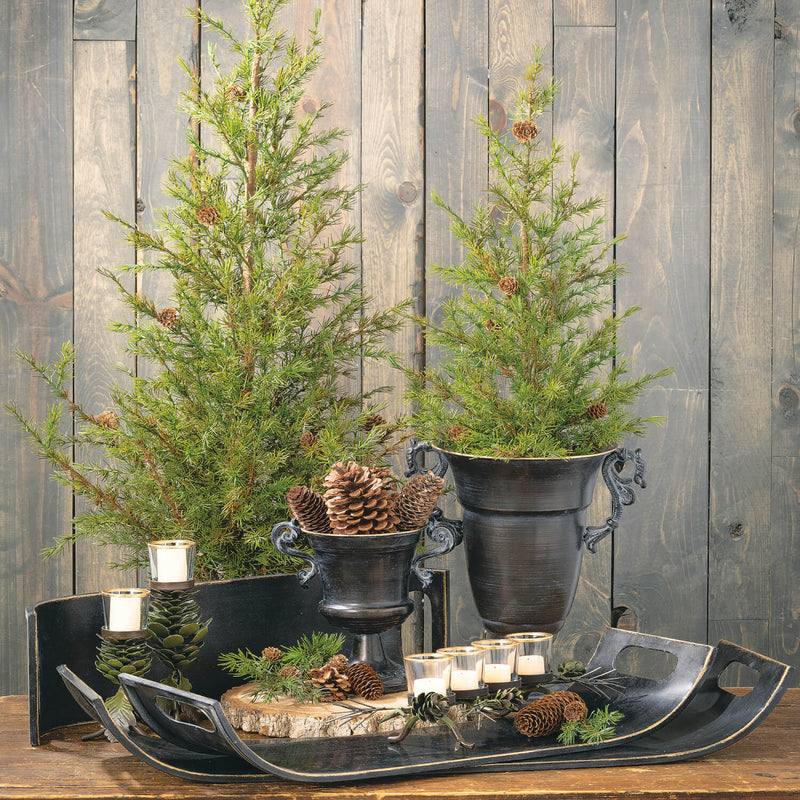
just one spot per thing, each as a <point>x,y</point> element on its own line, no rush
<point>422,685</point>
<point>125,613</point>
<point>530,665</point>
<point>496,673</point>
<point>462,680</point>
<point>171,566</point>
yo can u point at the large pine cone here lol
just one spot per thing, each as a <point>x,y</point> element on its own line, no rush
<point>358,501</point>
<point>334,685</point>
<point>540,718</point>
<point>417,500</point>
<point>309,509</point>
<point>176,630</point>
<point>132,657</point>
<point>365,681</point>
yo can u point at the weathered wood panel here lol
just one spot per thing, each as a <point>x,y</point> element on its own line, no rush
<point>104,180</point>
<point>585,12</point>
<point>784,568</point>
<point>662,196</point>
<point>741,314</point>
<point>583,119</point>
<point>105,20</point>
<point>35,301</point>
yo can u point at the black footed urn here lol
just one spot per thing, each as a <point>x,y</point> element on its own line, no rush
<point>524,527</point>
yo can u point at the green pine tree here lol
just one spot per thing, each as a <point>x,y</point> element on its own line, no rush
<point>530,359</point>
<point>244,397</point>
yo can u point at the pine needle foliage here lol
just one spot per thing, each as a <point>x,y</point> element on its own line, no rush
<point>530,365</point>
<point>598,726</point>
<point>267,324</point>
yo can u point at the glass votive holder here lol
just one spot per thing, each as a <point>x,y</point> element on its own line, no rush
<point>533,655</point>
<point>125,612</point>
<point>499,662</point>
<point>465,675</point>
<point>428,672</point>
<point>172,563</point>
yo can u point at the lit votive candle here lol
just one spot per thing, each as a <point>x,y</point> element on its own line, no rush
<point>428,672</point>
<point>172,560</point>
<point>467,666</point>
<point>499,659</point>
<point>125,610</point>
<point>464,680</point>
<point>530,665</point>
<point>533,653</point>
<point>496,673</point>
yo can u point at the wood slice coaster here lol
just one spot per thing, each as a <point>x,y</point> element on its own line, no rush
<point>287,717</point>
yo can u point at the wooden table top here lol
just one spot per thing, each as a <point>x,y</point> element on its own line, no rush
<point>766,764</point>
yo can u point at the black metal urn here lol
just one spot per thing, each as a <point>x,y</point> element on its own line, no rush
<point>365,580</point>
<point>524,527</point>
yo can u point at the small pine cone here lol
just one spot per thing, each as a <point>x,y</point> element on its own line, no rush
<point>339,661</point>
<point>208,216</point>
<point>492,324</point>
<point>365,681</point>
<point>271,654</point>
<point>290,671</point>
<point>373,421</point>
<point>417,500</point>
<point>525,130</point>
<point>108,419</point>
<point>575,711</point>
<point>334,684</point>
<point>597,411</point>
<point>457,432</point>
<point>308,439</point>
<point>358,501</point>
<point>236,93</point>
<point>564,698</point>
<point>508,285</point>
<point>308,507</point>
<point>539,718</point>
<point>168,317</point>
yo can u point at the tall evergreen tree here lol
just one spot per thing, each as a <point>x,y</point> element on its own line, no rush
<point>244,397</point>
<point>530,362</point>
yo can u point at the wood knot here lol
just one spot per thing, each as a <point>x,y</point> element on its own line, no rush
<point>140,206</point>
<point>736,530</point>
<point>497,116</point>
<point>796,121</point>
<point>407,192</point>
<point>310,106</point>
<point>789,401</point>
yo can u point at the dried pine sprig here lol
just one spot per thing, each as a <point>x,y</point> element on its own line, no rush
<point>598,726</point>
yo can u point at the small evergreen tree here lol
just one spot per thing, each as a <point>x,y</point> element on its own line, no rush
<point>245,398</point>
<point>530,360</point>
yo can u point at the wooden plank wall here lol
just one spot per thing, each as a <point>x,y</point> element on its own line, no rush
<point>687,116</point>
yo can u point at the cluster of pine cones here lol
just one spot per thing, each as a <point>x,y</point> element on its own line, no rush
<point>335,679</point>
<point>548,713</point>
<point>364,500</point>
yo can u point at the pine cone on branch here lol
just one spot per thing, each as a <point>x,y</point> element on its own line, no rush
<point>334,685</point>
<point>309,508</point>
<point>597,411</point>
<point>358,501</point>
<point>271,654</point>
<point>417,500</point>
<point>108,419</point>
<point>364,681</point>
<point>168,317</point>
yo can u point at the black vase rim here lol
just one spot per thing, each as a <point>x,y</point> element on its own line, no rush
<point>527,458</point>
<point>361,535</point>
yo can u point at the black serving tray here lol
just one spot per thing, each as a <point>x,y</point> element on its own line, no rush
<point>713,718</point>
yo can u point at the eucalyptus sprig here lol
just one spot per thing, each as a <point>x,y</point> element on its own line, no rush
<point>598,726</point>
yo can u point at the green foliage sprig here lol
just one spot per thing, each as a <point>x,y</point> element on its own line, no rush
<point>531,365</point>
<point>272,676</point>
<point>243,383</point>
<point>598,726</point>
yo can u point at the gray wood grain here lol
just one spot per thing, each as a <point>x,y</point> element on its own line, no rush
<point>741,314</point>
<point>104,179</point>
<point>583,119</point>
<point>663,161</point>
<point>585,12</point>
<point>35,302</point>
<point>109,20</point>
<point>456,91</point>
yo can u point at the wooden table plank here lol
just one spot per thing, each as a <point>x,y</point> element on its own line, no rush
<point>764,765</point>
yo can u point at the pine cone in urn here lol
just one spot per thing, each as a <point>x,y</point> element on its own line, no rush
<point>309,508</point>
<point>365,681</point>
<point>417,500</point>
<point>358,501</point>
<point>334,685</point>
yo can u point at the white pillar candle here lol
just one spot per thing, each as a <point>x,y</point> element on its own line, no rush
<point>171,565</point>
<point>125,612</point>
<point>422,685</point>
<point>496,673</point>
<point>530,665</point>
<point>462,680</point>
